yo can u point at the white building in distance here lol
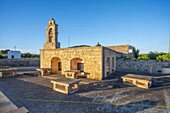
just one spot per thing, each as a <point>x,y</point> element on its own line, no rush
<point>14,54</point>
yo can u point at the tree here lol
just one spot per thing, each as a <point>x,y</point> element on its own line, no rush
<point>1,56</point>
<point>26,55</point>
<point>5,51</point>
<point>98,44</point>
<point>135,52</point>
<point>153,55</point>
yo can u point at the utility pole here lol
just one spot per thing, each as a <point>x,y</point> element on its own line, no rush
<point>14,48</point>
<point>68,40</point>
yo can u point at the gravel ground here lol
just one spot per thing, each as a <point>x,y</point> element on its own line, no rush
<point>36,94</point>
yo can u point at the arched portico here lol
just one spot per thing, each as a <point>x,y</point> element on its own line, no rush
<point>77,64</point>
<point>56,65</point>
<point>108,66</point>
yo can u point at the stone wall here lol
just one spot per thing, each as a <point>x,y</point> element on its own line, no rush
<point>20,62</point>
<point>150,66</point>
<point>121,48</point>
<point>91,56</point>
<point>109,58</point>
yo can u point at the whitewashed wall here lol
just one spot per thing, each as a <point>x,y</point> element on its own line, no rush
<point>15,54</point>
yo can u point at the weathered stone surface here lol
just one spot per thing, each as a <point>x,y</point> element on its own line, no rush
<point>109,57</point>
<point>152,66</point>
<point>92,57</point>
<point>20,62</point>
<point>121,48</point>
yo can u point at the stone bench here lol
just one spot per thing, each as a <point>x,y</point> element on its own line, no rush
<point>71,73</point>
<point>83,74</point>
<point>7,73</point>
<point>44,71</point>
<point>138,80</point>
<point>75,74</point>
<point>66,86</point>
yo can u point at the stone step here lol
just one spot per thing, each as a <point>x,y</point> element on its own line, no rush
<point>5,104</point>
<point>19,110</point>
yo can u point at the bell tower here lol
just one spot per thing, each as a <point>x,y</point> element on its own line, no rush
<point>52,35</point>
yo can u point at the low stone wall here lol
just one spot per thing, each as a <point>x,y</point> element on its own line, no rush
<point>20,62</point>
<point>150,66</point>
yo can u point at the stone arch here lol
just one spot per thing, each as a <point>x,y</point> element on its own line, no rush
<point>56,65</point>
<point>50,34</point>
<point>77,64</point>
<point>108,66</point>
<point>12,57</point>
<point>113,63</point>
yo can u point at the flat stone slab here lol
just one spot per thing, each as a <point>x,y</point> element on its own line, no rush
<point>67,81</point>
<point>138,80</point>
<point>141,77</point>
<point>72,71</point>
<point>66,86</point>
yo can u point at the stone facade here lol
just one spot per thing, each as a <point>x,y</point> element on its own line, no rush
<point>109,57</point>
<point>96,61</point>
<point>90,56</point>
<point>150,66</point>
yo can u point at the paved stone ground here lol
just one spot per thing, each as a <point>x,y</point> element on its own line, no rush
<point>36,94</point>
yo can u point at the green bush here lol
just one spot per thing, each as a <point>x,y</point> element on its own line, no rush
<point>163,57</point>
<point>154,55</point>
<point>1,56</point>
<point>127,57</point>
<point>143,57</point>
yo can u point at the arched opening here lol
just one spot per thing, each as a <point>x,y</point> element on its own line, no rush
<point>77,64</point>
<point>50,34</point>
<point>113,64</point>
<point>56,65</point>
<point>50,30</point>
<point>12,56</point>
<point>108,66</point>
<point>50,39</point>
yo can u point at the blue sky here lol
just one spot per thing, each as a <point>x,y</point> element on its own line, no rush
<point>144,24</point>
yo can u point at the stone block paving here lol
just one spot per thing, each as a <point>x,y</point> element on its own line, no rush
<point>36,95</point>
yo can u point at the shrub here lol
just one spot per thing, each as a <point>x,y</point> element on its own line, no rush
<point>143,57</point>
<point>127,57</point>
<point>163,57</point>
